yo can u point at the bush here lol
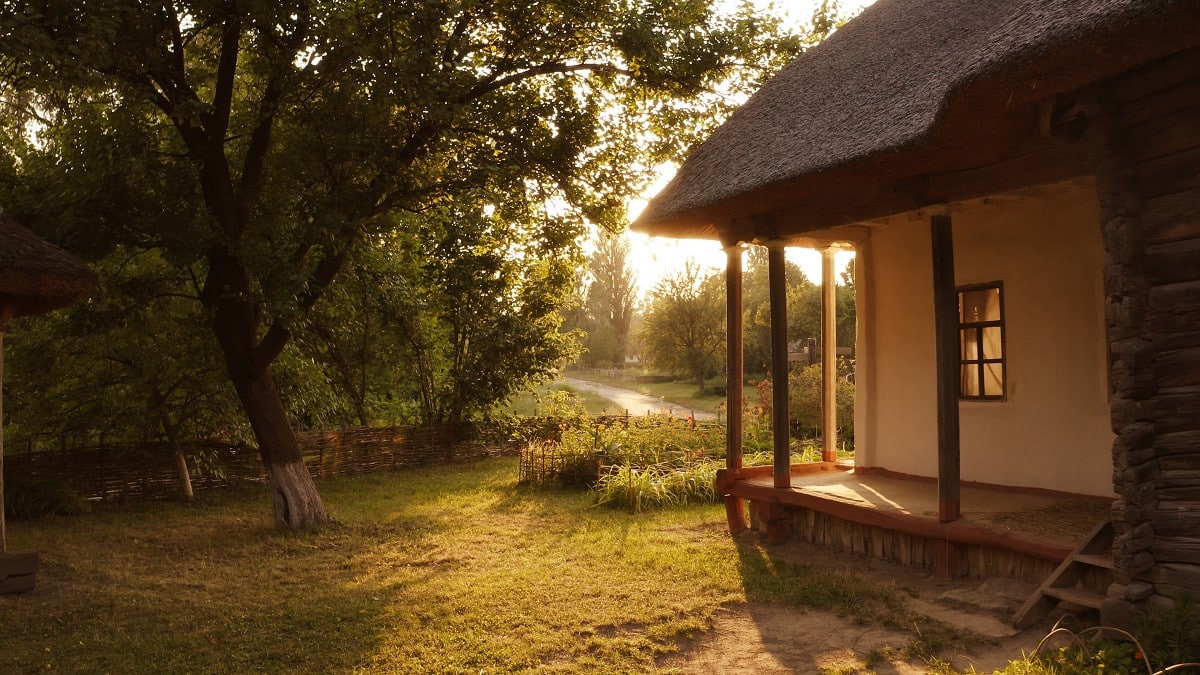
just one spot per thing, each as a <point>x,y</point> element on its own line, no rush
<point>804,407</point>
<point>38,497</point>
<point>1168,639</point>
<point>658,485</point>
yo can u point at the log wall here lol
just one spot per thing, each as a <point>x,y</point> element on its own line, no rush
<point>1146,134</point>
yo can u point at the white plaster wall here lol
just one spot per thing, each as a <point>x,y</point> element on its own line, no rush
<point>1053,431</point>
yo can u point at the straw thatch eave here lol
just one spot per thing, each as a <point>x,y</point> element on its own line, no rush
<point>909,92</point>
<point>35,275</point>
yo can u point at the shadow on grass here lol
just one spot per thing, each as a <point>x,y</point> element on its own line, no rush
<point>212,587</point>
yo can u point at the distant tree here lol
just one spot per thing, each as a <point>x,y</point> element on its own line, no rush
<point>683,330</point>
<point>611,297</point>
<point>756,307</point>
<point>291,132</point>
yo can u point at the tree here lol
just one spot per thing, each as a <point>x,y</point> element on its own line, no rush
<point>684,325</point>
<point>756,308</point>
<point>297,129</point>
<point>130,363</point>
<point>612,296</point>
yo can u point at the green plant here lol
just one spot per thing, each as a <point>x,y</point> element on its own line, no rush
<point>1172,634</point>
<point>38,497</point>
<point>658,485</point>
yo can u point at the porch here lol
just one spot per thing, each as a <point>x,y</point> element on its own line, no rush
<point>1002,531</point>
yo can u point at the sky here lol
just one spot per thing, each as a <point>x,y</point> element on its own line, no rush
<point>654,258</point>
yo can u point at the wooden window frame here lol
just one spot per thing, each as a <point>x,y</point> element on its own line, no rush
<point>978,327</point>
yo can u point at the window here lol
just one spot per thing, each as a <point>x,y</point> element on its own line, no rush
<point>981,342</point>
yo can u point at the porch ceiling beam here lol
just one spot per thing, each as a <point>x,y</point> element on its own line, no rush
<point>945,312</point>
<point>864,196</point>
<point>781,432</point>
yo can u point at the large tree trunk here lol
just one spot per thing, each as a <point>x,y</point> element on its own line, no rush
<point>235,322</point>
<point>297,502</point>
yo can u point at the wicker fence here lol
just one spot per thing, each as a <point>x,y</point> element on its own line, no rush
<point>121,472</point>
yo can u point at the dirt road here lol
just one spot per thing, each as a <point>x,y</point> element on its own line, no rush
<point>636,403</point>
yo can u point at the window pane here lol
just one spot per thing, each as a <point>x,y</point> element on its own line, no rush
<point>979,305</point>
<point>970,346</point>
<point>970,379</point>
<point>992,348</point>
<point>993,379</point>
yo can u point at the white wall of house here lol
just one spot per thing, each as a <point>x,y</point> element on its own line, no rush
<point>1053,430</point>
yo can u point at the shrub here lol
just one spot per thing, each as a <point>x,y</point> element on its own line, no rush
<point>37,497</point>
<point>658,485</point>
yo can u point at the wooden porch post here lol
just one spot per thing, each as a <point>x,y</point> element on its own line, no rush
<point>734,377</point>
<point>945,311</point>
<point>780,428</point>
<point>828,357</point>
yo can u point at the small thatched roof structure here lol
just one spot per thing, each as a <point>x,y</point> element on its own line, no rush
<point>907,89</point>
<point>35,275</point>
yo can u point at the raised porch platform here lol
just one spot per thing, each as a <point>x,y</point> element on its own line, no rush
<point>1003,532</point>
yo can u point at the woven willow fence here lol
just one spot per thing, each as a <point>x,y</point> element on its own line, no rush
<point>121,472</point>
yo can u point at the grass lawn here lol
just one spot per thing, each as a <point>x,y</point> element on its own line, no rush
<point>448,570</point>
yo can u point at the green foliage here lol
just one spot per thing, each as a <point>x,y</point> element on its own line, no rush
<point>323,177</point>
<point>610,303</point>
<point>805,391</point>
<point>1171,634</point>
<point>683,329</point>
<point>38,497</point>
<point>653,462</point>
<point>133,362</point>
<point>441,322</point>
<point>804,401</point>
<point>654,486</point>
<point>803,310</point>
<point>1168,638</point>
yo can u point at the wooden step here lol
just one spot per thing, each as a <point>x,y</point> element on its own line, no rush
<point>1076,596</point>
<point>1095,560</point>
<point>1062,583</point>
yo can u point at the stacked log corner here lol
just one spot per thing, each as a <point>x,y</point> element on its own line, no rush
<point>1147,141</point>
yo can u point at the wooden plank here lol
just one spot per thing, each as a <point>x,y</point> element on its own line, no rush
<point>945,303</point>
<point>1077,596</point>
<point>1094,560</point>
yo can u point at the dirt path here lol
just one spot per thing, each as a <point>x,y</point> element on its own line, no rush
<point>752,638</point>
<point>636,403</point>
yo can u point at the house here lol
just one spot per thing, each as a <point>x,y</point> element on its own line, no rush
<point>1021,182</point>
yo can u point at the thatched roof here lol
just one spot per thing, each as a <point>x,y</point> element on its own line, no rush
<point>35,275</point>
<point>907,83</point>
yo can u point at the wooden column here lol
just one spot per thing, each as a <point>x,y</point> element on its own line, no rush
<point>734,377</point>
<point>945,312</point>
<point>781,432</point>
<point>828,357</point>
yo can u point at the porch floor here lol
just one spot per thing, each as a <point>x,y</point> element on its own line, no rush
<point>1047,525</point>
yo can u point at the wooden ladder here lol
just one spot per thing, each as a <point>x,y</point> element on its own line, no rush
<point>1063,585</point>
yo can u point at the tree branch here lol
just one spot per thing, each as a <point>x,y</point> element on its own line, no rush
<point>488,86</point>
<point>222,103</point>
<point>279,334</point>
